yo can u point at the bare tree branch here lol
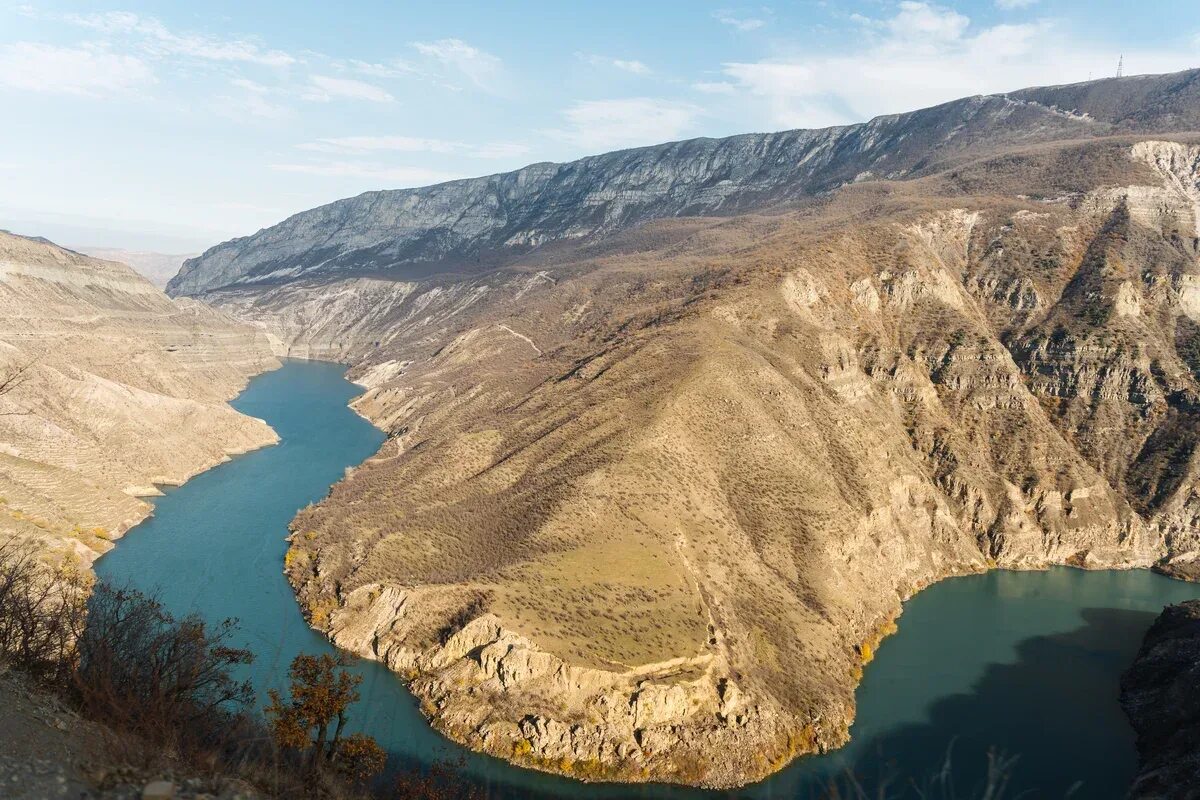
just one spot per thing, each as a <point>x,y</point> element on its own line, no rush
<point>13,378</point>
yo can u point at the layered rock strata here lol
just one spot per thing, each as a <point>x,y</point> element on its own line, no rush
<point>120,390</point>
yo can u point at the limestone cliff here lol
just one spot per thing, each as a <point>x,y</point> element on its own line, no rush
<point>472,225</point>
<point>121,389</point>
<point>660,493</point>
<point>673,504</point>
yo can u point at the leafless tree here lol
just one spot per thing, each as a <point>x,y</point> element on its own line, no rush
<point>12,378</point>
<point>42,613</point>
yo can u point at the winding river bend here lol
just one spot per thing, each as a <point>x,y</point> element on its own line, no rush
<point>1025,664</point>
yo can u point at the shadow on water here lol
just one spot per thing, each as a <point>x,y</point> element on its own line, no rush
<point>1055,710</point>
<point>1024,662</point>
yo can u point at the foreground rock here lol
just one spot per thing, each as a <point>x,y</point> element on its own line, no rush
<point>49,752</point>
<point>1161,696</point>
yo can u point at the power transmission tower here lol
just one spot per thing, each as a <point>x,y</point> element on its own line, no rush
<point>1121,65</point>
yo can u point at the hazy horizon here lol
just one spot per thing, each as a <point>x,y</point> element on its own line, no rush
<point>213,124</point>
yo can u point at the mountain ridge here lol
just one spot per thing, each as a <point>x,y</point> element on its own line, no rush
<point>121,390</point>
<point>659,493</point>
<point>473,224</point>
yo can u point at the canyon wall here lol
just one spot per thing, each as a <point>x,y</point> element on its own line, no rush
<point>117,389</point>
<point>659,476</point>
<point>664,500</point>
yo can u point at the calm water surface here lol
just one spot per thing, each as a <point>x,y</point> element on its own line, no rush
<point>1026,664</point>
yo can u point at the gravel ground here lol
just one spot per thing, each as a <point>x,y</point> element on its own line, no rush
<point>48,752</point>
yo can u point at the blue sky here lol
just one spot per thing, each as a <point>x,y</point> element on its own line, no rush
<point>171,126</point>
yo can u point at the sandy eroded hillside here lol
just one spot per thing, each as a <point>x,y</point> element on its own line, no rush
<point>663,496</point>
<point>120,389</point>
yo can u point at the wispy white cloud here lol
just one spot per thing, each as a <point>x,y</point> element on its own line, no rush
<point>370,144</point>
<point>323,88</point>
<point>250,99</point>
<point>1011,5</point>
<point>358,145</point>
<point>920,55</point>
<point>739,22</point>
<point>394,68</point>
<point>408,176</point>
<point>607,124</point>
<point>457,60</point>
<point>154,38</point>
<point>500,150</point>
<point>925,24</point>
<point>636,67</point>
<point>85,71</point>
<point>626,65</point>
<point>714,87</point>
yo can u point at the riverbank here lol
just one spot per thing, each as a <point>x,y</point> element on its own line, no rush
<point>1026,662</point>
<point>110,390</point>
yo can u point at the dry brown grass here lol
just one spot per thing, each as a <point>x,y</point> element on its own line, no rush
<point>750,440</point>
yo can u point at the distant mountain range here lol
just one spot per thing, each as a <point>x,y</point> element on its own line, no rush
<point>467,226</point>
<point>158,268</point>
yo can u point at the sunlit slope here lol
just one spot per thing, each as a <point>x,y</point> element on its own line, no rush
<point>663,501</point>
<point>120,388</point>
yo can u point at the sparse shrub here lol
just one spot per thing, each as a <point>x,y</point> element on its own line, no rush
<point>163,689</point>
<point>42,613</point>
<point>441,781</point>
<point>142,670</point>
<point>462,618</point>
<point>941,785</point>
<point>360,758</point>
<point>313,719</point>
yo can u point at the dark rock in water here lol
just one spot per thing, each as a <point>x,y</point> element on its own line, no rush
<point>1161,696</point>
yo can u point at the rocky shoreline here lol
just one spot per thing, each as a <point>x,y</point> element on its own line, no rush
<point>493,691</point>
<point>1160,693</point>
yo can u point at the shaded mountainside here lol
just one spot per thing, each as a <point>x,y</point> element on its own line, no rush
<point>660,494</point>
<point>121,388</point>
<point>1161,696</point>
<point>471,225</point>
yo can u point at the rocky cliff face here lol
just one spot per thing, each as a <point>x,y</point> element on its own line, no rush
<point>122,389</point>
<point>1160,695</point>
<point>665,499</point>
<point>660,494</point>
<point>467,226</point>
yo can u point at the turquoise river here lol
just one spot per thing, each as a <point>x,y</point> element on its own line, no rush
<point>1025,664</point>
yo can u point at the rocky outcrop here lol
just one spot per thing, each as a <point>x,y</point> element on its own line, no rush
<point>671,506</point>
<point>471,225</point>
<point>659,720</point>
<point>122,390</point>
<point>1160,693</point>
<point>658,477</point>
